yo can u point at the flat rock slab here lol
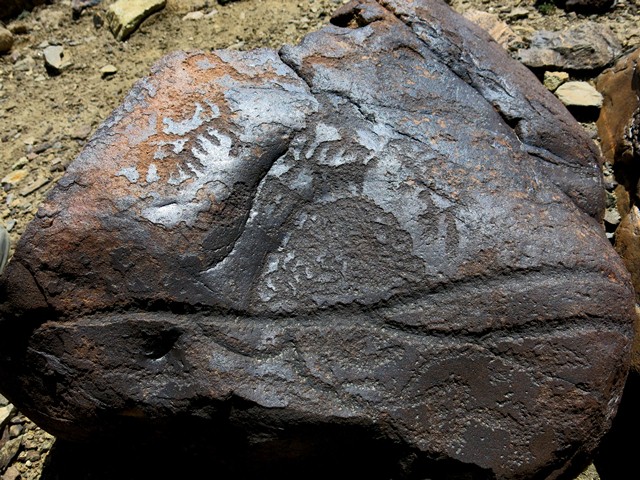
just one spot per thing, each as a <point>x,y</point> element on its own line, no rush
<point>579,94</point>
<point>382,245</point>
<point>589,46</point>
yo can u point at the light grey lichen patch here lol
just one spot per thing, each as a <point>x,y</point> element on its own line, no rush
<point>255,62</point>
<point>177,147</point>
<point>130,173</point>
<point>152,174</point>
<point>137,136</point>
<point>262,109</point>
<point>390,184</point>
<point>324,133</point>
<point>183,127</point>
<point>216,168</point>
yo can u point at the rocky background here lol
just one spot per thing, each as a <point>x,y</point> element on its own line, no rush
<point>65,65</point>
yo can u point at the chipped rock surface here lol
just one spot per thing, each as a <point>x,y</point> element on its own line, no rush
<point>383,241</point>
<point>589,46</point>
<point>125,16</point>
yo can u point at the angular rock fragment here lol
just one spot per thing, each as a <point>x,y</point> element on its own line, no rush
<point>589,46</point>
<point>55,59</point>
<point>125,16</point>
<point>382,243</point>
<point>6,40</point>
<point>552,80</point>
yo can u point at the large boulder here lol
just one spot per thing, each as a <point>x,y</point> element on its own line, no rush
<point>384,243</point>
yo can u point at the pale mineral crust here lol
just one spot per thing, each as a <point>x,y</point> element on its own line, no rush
<point>387,237</point>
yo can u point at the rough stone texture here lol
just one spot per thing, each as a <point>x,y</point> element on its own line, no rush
<point>620,88</point>
<point>125,16</point>
<point>589,46</point>
<point>552,80</point>
<point>6,40</point>
<point>383,243</point>
<point>579,94</point>
<point>499,30</point>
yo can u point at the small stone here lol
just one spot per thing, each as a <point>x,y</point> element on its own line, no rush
<point>22,161</point>
<point>15,431</point>
<point>12,473</point>
<point>108,71</point>
<point>98,21</point>
<point>9,451</point>
<point>199,15</point>
<point>81,132</point>
<point>6,40</point>
<point>612,216</point>
<point>552,80</point>
<point>54,59</point>
<point>29,189</point>
<point>8,411</point>
<point>14,177</point>
<point>42,147</point>
<point>32,456</point>
<point>579,94</point>
<point>518,13</point>
<point>125,16</point>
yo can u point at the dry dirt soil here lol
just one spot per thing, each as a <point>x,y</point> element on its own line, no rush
<point>45,119</point>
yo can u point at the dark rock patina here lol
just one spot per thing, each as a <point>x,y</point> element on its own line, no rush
<point>386,239</point>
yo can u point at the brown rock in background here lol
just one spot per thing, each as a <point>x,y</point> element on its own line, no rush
<point>620,87</point>
<point>619,127</point>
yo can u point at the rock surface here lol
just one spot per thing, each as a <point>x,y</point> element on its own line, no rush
<point>125,16</point>
<point>499,30</point>
<point>589,46</point>
<point>6,40</point>
<point>204,259</point>
<point>579,94</point>
<point>552,80</point>
<point>620,87</point>
<point>54,59</point>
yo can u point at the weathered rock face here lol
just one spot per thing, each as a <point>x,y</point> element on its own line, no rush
<point>589,46</point>
<point>386,235</point>
<point>620,87</point>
